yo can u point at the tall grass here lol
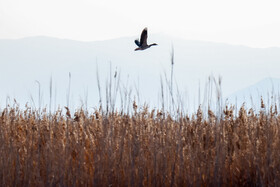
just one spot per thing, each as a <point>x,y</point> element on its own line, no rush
<point>135,145</point>
<point>146,148</point>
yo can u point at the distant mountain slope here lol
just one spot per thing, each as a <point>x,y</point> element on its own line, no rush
<point>26,60</point>
<point>268,89</point>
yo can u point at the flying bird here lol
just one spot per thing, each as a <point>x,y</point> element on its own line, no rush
<point>142,45</point>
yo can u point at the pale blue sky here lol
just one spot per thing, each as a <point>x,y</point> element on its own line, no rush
<point>247,22</point>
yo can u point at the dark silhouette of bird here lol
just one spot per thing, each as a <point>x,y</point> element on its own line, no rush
<point>142,45</point>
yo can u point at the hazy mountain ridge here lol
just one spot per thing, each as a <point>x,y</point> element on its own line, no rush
<point>39,58</point>
<point>267,89</point>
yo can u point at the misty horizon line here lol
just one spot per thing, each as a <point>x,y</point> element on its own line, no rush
<point>136,36</point>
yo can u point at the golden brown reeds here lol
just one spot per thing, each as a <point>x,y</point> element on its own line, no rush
<point>147,148</point>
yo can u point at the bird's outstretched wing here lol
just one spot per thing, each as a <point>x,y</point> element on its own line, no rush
<point>144,36</point>
<point>137,43</point>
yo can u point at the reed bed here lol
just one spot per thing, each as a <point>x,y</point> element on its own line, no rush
<point>145,148</point>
